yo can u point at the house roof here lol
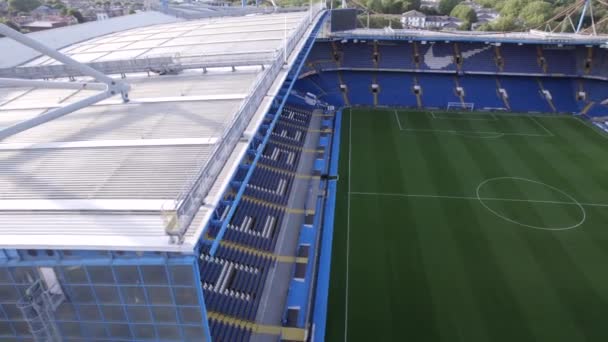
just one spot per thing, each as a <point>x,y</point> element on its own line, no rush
<point>414,13</point>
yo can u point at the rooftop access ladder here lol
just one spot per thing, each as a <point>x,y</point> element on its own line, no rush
<point>38,307</point>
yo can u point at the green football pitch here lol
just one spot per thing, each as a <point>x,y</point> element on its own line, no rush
<point>469,227</point>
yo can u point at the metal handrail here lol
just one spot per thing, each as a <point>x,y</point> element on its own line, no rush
<point>188,202</point>
<point>175,62</point>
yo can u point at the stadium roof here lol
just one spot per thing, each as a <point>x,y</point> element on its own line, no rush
<point>102,177</point>
<point>531,37</point>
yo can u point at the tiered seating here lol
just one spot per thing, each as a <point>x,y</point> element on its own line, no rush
<point>478,57</point>
<point>321,55</point>
<point>320,51</point>
<point>291,127</point>
<point>525,94</point>
<point>438,56</point>
<point>280,156</point>
<point>596,90</point>
<point>396,56</point>
<point>295,116</point>
<point>396,89</point>
<point>599,62</point>
<point>233,279</point>
<point>270,186</point>
<point>437,90</point>
<point>288,134</point>
<point>331,84</point>
<point>236,290</point>
<point>482,91</point>
<point>228,332</point>
<point>359,87</point>
<point>357,55</point>
<point>560,61</point>
<point>598,110</point>
<point>255,225</point>
<point>520,59</point>
<point>563,94</point>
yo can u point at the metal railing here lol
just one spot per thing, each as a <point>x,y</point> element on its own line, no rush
<point>188,202</point>
<point>161,63</point>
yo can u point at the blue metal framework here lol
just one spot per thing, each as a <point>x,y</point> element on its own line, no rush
<point>145,298</point>
<point>258,144</point>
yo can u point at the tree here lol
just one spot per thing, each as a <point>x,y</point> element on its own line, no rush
<point>506,23</point>
<point>446,6</point>
<point>23,5</point>
<point>512,8</point>
<point>76,14</point>
<point>464,12</point>
<point>536,13</point>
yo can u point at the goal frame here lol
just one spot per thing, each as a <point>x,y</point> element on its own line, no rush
<point>461,106</point>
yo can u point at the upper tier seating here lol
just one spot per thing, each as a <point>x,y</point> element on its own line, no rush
<point>438,56</point>
<point>560,61</point>
<point>478,57</point>
<point>473,57</point>
<point>599,62</point>
<point>357,55</point>
<point>396,55</point>
<point>321,55</point>
<point>520,59</point>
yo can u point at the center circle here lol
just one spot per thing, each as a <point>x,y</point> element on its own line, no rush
<point>573,201</point>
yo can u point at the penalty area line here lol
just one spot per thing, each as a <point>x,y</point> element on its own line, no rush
<point>398,121</point>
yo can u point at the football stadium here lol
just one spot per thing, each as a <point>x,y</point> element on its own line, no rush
<point>285,176</point>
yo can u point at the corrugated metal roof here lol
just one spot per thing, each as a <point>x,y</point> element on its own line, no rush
<point>134,121</point>
<point>107,172</point>
<point>104,177</point>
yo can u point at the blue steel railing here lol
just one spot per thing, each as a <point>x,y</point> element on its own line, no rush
<point>284,92</point>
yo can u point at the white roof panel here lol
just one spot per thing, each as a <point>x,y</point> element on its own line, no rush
<point>103,177</point>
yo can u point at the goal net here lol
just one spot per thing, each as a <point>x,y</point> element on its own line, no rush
<point>461,106</point>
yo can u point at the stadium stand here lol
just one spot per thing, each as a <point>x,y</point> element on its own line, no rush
<point>560,60</point>
<point>437,90</point>
<point>437,56</point>
<point>396,89</point>
<point>478,57</point>
<point>438,63</point>
<point>359,87</point>
<point>563,94</point>
<point>482,90</point>
<point>520,59</point>
<point>357,55</point>
<point>524,94</point>
<point>396,55</point>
